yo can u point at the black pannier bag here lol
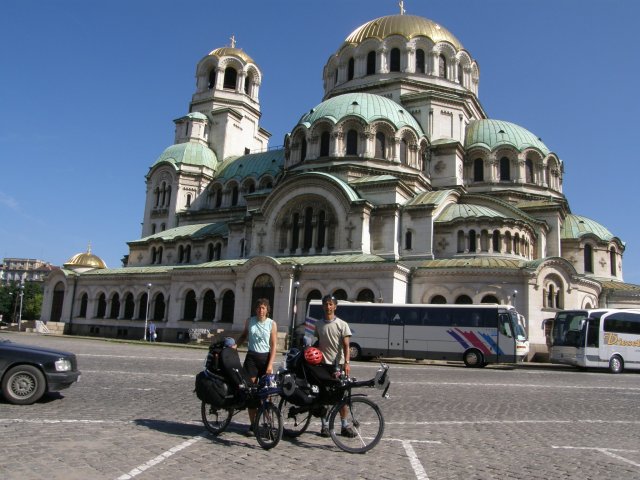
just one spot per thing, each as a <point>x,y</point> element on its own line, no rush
<point>298,391</point>
<point>212,389</point>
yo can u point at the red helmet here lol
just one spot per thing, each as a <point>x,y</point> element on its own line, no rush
<point>313,356</point>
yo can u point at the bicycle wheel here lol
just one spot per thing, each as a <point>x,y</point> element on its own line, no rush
<point>365,420</point>
<point>215,419</point>
<point>268,425</point>
<point>295,420</point>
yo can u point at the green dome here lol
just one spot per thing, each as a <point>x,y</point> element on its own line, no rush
<point>576,226</point>
<point>496,133</point>
<point>366,106</point>
<point>189,154</point>
<point>459,211</point>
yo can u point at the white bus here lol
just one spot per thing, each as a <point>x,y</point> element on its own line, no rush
<point>611,341</point>
<point>475,334</point>
<point>565,333</point>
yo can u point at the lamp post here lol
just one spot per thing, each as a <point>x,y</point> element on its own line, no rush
<point>294,309</point>
<point>20,311</point>
<point>146,312</point>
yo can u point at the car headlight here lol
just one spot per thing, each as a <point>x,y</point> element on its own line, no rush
<point>63,365</point>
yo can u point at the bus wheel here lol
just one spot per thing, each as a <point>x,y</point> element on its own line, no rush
<point>355,352</point>
<point>473,358</point>
<point>615,364</point>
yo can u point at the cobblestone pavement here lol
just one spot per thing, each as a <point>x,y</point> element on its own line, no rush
<point>134,415</point>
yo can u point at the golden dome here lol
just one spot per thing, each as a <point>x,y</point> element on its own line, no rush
<point>85,260</point>
<point>409,26</point>
<point>231,52</point>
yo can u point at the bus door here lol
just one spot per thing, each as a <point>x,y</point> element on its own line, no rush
<point>506,339</point>
<point>396,334</point>
<point>588,351</point>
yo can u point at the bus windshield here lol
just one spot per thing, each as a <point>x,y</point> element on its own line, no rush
<point>566,328</point>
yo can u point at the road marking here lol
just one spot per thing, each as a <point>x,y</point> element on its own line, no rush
<point>606,451</point>
<point>482,422</point>
<point>138,357</point>
<point>160,458</point>
<point>518,385</point>
<point>418,469</point>
<point>116,372</point>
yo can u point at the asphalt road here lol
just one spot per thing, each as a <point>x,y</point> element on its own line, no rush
<point>134,415</point>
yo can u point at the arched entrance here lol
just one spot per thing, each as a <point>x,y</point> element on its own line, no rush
<point>262,288</point>
<point>57,302</point>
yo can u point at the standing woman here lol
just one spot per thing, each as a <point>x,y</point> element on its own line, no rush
<point>261,332</point>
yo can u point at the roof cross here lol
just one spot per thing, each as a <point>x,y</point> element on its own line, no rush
<point>233,41</point>
<point>401,5</point>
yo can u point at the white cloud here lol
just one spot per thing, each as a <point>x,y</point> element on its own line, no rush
<point>8,201</point>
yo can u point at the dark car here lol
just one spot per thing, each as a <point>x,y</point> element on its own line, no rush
<point>28,371</point>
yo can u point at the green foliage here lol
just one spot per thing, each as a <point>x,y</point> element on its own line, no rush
<point>31,301</point>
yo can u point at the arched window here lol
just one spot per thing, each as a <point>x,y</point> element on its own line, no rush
<point>159,307</point>
<point>352,142</point>
<point>295,237</point>
<point>340,294</point>
<point>228,306</point>
<point>394,60</point>
<point>612,262</point>
<point>187,254</point>
<point>495,240</point>
<point>209,307</point>
<point>408,240</point>
<point>464,300</point>
<point>159,256</point>
<point>247,85</point>
<point>489,299</point>
<point>588,258</point>
<point>403,151</point>
<point>102,306</point>
<point>478,170</point>
<point>234,195</point>
<point>153,255</point>
<point>190,305</point>
<point>472,241</point>
<point>322,225</point>
<point>230,78</point>
<point>142,311</point>
<point>460,74</point>
<point>371,63</point>
<point>115,306</point>
<point>442,66</point>
<point>505,169</point>
<point>210,252</point>
<point>366,295</point>
<point>188,200</point>
<point>84,300</point>
<point>438,299</point>
<point>212,79</point>
<point>350,69</point>
<point>218,200</point>
<point>380,145</point>
<point>129,306</point>
<point>308,229</point>
<point>217,251</point>
<point>324,144</point>
<point>529,170</point>
<point>420,61</point>
<point>180,254</point>
<point>303,149</point>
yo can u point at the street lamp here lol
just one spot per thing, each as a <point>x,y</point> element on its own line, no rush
<point>294,309</point>
<point>20,311</point>
<point>146,313</point>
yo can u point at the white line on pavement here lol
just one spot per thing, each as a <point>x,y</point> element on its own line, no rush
<point>418,469</point>
<point>606,451</point>
<point>517,385</point>
<point>160,458</point>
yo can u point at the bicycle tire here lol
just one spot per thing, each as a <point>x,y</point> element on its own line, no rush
<point>366,420</point>
<point>215,419</point>
<point>268,426</point>
<point>293,425</point>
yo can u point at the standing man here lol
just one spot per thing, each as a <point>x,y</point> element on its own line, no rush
<point>152,332</point>
<point>333,341</point>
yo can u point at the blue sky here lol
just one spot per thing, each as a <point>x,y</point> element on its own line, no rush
<point>90,90</point>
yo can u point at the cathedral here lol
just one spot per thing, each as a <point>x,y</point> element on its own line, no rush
<point>396,187</point>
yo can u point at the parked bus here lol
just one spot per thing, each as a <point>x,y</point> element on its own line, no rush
<point>475,334</point>
<point>565,332</point>
<point>610,341</point>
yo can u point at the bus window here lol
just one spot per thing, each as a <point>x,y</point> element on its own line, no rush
<point>505,325</point>
<point>593,327</point>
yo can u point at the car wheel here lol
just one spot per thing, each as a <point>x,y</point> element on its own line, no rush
<point>355,352</point>
<point>23,385</point>
<point>473,358</point>
<point>615,364</point>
